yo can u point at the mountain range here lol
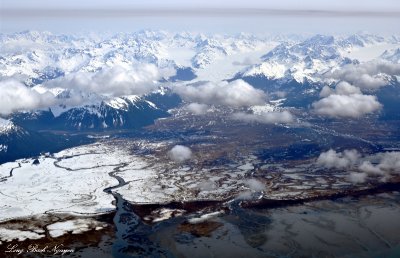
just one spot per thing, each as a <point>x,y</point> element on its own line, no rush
<point>295,64</point>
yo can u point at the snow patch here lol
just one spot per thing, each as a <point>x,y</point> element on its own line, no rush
<point>75,226</point>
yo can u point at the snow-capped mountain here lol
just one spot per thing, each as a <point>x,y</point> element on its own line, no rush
<point>209,49</point>
<point>392,55</point>
<point>37,58</point>
<point>16,142</point>
<point>307,60</point>
<point>119,112</point>
<point>360,40</point>
<point>40,58</point>
<point>7,127</point>
<point>304,61</point>
<point>8,130</point>
<point>76,70</point>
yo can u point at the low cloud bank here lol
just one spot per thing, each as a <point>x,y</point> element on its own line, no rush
<point>233,94</point>
<point>382,165</point>
<point>283,117</point>
<point>15,96</point>
<point>342,88</point>
<point>109,82</point>
<point>370,75</point>
<point>340,160</point>
<point>345,101</point>
<point>347,106</point>
<point>113,81</point>
<point>255,185</point>
<point>197,109</point>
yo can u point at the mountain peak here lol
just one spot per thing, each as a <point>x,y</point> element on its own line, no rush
<point>7,126</point>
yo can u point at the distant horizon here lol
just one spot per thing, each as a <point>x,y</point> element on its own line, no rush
<point>275,25</point>
<point>17,13</point>
<point>252,16</point>
<point>111,33</point>
<point>341,5</point>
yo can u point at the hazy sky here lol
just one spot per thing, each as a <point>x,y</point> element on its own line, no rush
<point>372,5</point>
<point>255,16</point>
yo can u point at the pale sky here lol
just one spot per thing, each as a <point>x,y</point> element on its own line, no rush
<point>231,16</point>
<point>371,5</point>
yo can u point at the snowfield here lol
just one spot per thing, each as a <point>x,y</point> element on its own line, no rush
<point>65,188</point>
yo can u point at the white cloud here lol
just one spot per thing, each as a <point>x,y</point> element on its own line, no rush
<point>279,94</point>
<point>207,185</point>
<point>345,88</point>
<point>370,169</point>
<point>180,153</point>
<point>234,94</point>
<point>342,88</point>
<point>390,161</point>
<point>349,106</point>
<point>370,75</point>
<point>333,159</point>
<point>255,185</point>
<point>283,117</point>
<point>357,178</point>
<point>197,109</point>
<point>381,165</point>
<point>246,195</point>
<point>345,100</point>
<point>113,81</point>
<point>15,96</point>
<point>326,91</point>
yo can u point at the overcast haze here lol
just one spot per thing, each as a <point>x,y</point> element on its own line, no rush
<point>355,5</point>
<point>254,16</point>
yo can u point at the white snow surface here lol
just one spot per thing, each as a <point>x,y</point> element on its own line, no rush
<point>73,181</point>
<point>7,235</point>
<point>44,56</point>
<point>7,126</point>
<point>75,226</point>
<point>75,187</point>
<point>122,103</point>
<point>369,52</point>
